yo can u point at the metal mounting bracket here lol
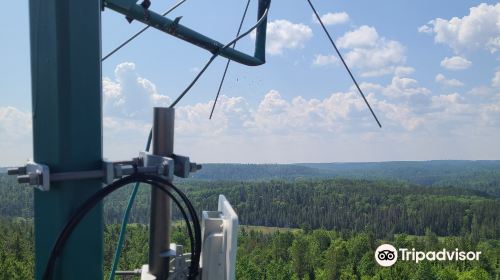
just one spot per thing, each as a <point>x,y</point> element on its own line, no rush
<point>34,174</point>
<point>39,176</point>
<point>164,165</point>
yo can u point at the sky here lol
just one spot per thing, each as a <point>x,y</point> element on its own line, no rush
<point>430,70</point>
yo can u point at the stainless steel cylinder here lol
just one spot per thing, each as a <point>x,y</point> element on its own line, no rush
<point>161,204</point>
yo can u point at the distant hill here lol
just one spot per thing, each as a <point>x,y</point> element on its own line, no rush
<point>258,172</point>
<point>478,175</point>
<point>419,172</point>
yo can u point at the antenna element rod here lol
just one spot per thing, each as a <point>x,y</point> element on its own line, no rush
<point>342,59</point>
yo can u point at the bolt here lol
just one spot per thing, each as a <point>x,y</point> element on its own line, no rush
<point>17,171</point>
<point>33,179</point>
<point>193,167</point>
<point>12,171</point>
<point>23,179</point>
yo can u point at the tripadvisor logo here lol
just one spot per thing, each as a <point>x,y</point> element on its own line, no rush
<point>387,255</point>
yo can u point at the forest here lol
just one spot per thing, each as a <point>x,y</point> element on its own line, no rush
<point>328,226</point>
<point>281,255</point>
<point>345,205</point>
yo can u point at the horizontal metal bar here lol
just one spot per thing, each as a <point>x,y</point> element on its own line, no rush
<point>39,175</point>
<point>96,174</point>
<point>124,162</point>
<point>128,272</point>
<point>76,175</point>
<point>140,169</point>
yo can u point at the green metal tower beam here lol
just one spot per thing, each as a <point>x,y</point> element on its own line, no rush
<point>67,128</point>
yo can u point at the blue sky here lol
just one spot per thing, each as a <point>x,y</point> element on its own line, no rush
<point>430,70</point>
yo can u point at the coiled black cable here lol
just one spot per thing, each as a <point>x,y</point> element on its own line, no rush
<point>153,180</point>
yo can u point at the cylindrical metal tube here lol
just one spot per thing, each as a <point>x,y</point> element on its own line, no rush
<point>129,272</point>
<point>142,170</point>
<point>161,205</point>
<point>77,175</point>
<point>23,179</point>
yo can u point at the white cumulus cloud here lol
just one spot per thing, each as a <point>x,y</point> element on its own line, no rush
<point>404,87</point>
<point>14,123</point>
<point>373,54</point>
<point>403,71</point>
<point>278,115</point>
<point>455,63</point>
<point>129,95</point>
<point>229,117</point>
<point>383,56</point>
<point>495,82</point>
<point>15,136</point>
<point>283,34</point>
<point>400,114</point>
<point>440,78</point>
<point>365,36</point>
<point>323,60</point>
<point>332,18</point>
<point>450,103</point>
<point>480,29</point>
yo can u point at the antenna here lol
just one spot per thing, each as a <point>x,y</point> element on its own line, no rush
<point>141,31</point>
<point>132,10</point>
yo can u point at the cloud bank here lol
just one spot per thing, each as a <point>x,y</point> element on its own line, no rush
<point>477,30</point>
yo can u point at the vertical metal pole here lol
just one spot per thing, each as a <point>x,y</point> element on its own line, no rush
<point>67,129</point>
<point>161,205</point>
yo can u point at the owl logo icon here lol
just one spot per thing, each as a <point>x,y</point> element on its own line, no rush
<point>386,255</point>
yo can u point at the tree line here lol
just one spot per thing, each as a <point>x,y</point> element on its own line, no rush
<point>345,205</point>
<point>350,205</point>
